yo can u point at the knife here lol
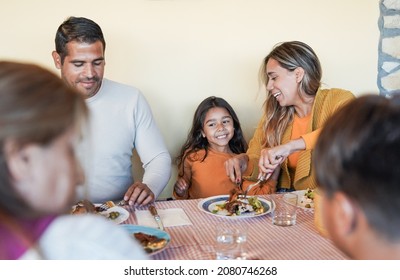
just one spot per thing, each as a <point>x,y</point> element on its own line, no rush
<point>153,212</point>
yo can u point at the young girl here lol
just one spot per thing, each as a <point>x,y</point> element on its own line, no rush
<point>40,119</point>
<point>215,136</point>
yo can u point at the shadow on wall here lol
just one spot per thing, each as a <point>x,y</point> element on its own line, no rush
<point>138,171</point>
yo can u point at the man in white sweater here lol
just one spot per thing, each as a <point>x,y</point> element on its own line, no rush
<point>120,120</point>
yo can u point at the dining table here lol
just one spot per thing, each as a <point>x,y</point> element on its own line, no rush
<point>265,241</point>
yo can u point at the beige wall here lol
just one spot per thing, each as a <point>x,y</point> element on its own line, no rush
<point>180,51</point>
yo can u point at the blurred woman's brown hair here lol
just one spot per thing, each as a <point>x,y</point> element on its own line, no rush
<point>35,107</point>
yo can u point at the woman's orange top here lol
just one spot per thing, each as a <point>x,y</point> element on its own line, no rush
<point>299,129</point>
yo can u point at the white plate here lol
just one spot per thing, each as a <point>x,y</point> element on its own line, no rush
<point>208,205</point>
<point>148,230</point>
<point>301,199</point>
<point>123,214</point>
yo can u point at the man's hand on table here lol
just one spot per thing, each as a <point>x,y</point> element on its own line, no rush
<point>139,194</point>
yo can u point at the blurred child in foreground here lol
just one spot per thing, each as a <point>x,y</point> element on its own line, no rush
<point>357,164</point>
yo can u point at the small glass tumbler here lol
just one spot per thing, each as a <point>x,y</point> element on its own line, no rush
<point>230,242</point>
<point>285,210</point>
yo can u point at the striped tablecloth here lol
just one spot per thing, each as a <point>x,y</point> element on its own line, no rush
<point>265,240</point>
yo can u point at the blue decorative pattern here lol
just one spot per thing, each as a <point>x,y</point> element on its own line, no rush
<point>207,205</point>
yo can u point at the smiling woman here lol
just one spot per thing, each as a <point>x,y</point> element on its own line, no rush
<point>295,110</point>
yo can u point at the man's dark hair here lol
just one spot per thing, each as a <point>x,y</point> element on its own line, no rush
<point>77,29</point>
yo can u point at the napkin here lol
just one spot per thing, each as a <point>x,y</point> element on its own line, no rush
<point>170,217</point>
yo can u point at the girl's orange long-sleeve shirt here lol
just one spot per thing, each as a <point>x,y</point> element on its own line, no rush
<point>208,178</point>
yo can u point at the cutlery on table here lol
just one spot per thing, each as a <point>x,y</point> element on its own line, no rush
<point>157,218</point>
<point>110,204</point>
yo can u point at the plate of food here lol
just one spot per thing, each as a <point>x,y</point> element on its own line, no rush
<point>239,207</point>
<point>305,198</point>
<point>114,213</point>
<point>152,240</point>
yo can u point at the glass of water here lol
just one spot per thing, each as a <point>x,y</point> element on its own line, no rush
<point>285,210</point>
<point>230,242</point>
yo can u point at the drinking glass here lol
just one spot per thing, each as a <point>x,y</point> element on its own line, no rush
<point>230,242</point>
<point>285,210</point>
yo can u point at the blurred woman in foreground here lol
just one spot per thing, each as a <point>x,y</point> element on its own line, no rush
<point>40,119</point>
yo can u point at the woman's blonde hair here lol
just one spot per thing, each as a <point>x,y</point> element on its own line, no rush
<point>289,55</point>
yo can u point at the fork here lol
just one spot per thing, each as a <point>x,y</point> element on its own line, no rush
<point>107,205</point>
<point>261,180</point>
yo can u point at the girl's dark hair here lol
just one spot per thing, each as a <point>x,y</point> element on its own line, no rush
<point>195,141</point>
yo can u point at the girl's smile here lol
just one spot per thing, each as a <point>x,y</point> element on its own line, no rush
<point>218,129</point>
